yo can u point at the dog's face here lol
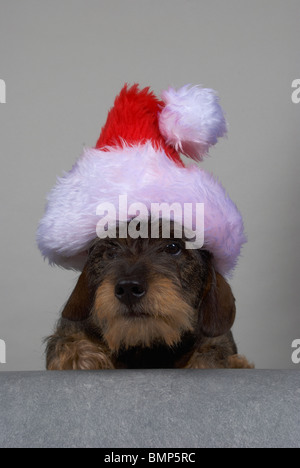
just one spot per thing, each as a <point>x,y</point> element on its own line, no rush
<point>147,290</point>
<point>139,292</point>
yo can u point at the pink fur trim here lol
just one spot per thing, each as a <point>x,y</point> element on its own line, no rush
<point>192,120</point>
<point>146,175</point>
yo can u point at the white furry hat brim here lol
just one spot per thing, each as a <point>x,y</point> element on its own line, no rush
<point>145,175</point>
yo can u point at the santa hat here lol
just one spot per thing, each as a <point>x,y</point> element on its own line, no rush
<point>137,154</point>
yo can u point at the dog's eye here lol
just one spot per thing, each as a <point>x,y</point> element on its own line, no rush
<point>173,249</point>
<point>111,253</point>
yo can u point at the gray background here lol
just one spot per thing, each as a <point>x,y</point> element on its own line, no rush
<point>64,62</point>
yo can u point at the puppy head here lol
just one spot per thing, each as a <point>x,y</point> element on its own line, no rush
<point>139,292</point>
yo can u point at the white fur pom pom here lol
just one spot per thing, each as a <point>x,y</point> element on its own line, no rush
<point>192,120</point>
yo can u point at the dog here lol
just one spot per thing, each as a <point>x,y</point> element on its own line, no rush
<point>146,303</point>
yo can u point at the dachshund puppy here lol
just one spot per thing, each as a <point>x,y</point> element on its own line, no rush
<point>146,303</point>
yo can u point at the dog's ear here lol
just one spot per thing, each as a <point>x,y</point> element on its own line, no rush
<point>217,310</point>
<point>79,303</point>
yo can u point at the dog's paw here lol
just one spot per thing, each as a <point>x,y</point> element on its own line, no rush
<point>237,361</point>
<point>203,361</point>
<point>208,361</point>
<point>75,352</point>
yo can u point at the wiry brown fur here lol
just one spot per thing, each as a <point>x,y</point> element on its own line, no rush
<point>182,321</point>
<point>170,316</point>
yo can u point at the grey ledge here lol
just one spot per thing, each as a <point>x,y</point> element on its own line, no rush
<point>150,409</point>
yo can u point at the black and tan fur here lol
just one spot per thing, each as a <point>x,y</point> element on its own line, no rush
<point>182,319</point>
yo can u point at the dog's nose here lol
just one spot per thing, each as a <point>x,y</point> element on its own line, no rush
<point>130,291</point>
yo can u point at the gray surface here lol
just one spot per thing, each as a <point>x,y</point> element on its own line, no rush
<point>64,61</point>
<point>152,409</point>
